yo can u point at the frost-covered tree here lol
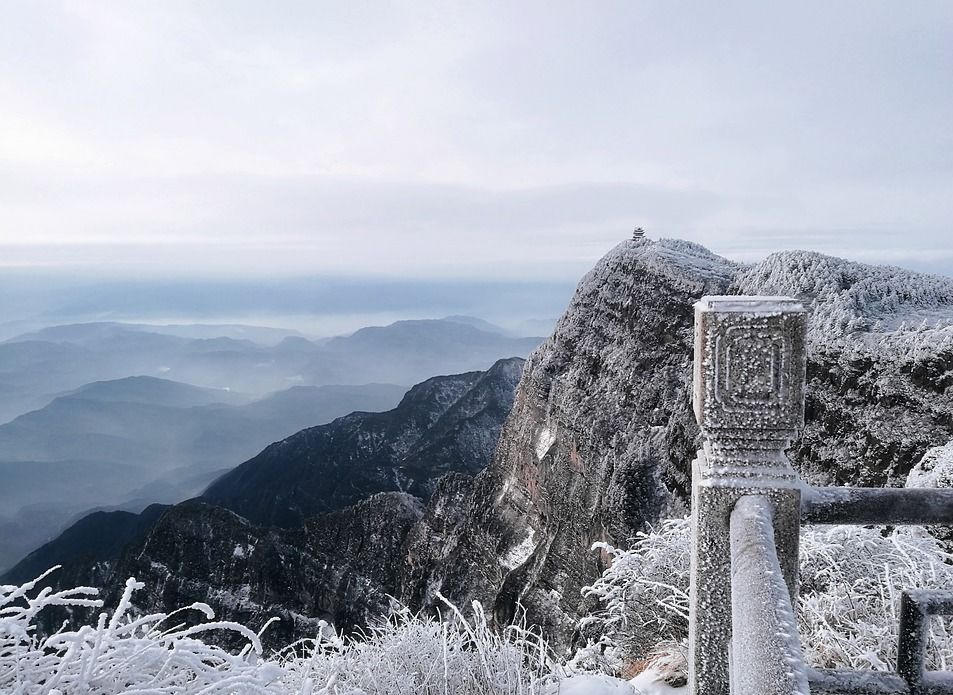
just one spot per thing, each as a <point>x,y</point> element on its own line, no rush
<point>848,608</point>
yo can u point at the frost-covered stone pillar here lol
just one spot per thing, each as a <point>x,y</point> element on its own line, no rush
<point>749,403</point>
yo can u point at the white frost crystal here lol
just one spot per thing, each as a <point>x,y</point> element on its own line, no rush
<point>848,608</point>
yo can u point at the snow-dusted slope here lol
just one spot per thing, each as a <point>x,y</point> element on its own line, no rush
<point>845,296</point>
<point>880,363</point>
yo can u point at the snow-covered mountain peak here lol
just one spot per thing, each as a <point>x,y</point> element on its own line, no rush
<point>849,297</point>
<point>683,262</point>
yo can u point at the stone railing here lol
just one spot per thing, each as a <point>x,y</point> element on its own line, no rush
<point>748,506</point>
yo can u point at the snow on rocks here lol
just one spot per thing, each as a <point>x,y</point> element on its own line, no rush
<point>935,469</point>
<point>520,553</point>
<point>544,442</point>
<point>648,682</point>
<point>653,682</point>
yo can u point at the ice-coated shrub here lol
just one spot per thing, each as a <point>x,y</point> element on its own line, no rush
<point>653,575</point>
<point>410,654</point>
<point>156,654</point>
<point>150,654</point>
<point>848,609</point>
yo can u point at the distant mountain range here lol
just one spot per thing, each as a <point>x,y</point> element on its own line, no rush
<point>106,414</point>
<point>155,425</point>
<point>39,366</point>
<point>139,440</point>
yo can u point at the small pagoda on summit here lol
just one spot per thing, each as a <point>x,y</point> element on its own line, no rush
<point>638,233</point>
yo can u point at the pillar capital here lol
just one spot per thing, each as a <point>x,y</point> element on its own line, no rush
<point>750,362</point>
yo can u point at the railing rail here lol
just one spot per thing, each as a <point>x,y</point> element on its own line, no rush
<point>748,506</point>
<point>765,652</point>
<point>874,505</point>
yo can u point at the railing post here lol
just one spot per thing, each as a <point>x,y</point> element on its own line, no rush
<point>749,403</point>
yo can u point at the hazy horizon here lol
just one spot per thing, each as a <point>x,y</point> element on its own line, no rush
<point>316,306</point>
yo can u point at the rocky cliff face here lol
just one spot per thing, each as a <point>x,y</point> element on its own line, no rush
<point>598,443</point>
<point>340,567</point>
<point>601,436</point>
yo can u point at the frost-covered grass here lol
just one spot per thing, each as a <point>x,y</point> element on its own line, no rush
<point>848,608</point>
<point>408,654</point>
<point>157,654</point>
<point>150,654</point>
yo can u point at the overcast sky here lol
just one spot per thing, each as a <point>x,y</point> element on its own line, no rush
<point>480,140</point>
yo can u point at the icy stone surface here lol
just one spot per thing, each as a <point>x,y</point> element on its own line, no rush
<point>766,651</point>
<point>749,400</point>
<point>749,363</point>
<point>751,305</point>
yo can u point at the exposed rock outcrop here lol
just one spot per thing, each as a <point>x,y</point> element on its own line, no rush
<point>340,566</point>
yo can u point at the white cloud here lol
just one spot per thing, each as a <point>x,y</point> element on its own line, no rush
<point>516,138</point>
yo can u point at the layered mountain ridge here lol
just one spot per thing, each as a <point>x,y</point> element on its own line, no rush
<point>39,366</point>
<point>445,424</point>
<point>83,434</point>
<point>138,440</point>
<point>327,508</point>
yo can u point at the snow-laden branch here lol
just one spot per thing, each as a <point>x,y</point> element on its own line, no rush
<point>848,608</point>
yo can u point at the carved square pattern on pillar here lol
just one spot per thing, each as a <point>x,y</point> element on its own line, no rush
<point>751,363</point>
<point>749,371</point>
